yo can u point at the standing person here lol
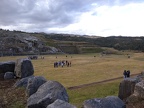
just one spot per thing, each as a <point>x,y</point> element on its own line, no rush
<point>125,74</point>
<point>128,73</point>
<point>62,64</point>
<point>67,64</point>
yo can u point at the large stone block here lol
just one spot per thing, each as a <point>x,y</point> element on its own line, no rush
<point>126,88</point>
<point>60,104</point>
<point>7,66</point>
<point>23,82</point>
<point>23,68</point>
<point>107,102</point>
<point>33,84</point>
<point>9,75</point>
<point>47,94</point>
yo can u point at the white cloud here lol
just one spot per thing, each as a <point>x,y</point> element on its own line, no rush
<point>114,17</point>
<point>125,20</point>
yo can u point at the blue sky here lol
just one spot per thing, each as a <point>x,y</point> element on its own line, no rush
<point>85,17</point>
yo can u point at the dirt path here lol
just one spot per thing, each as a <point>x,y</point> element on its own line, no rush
<point>98,82</point>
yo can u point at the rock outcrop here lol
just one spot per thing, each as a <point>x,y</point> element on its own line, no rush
<point>21,43</point>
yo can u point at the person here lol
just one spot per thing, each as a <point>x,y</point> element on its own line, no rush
<point>67,64</point>
<point>70,64</point>
<point>62,64</point>
<point>125,74</point>
<point>54,64</point>
<point>128,73</point>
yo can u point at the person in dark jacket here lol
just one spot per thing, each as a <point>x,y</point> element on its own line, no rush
<point>125,74</point>
<point>128,73</point>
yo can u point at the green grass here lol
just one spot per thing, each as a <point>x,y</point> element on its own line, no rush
<point>87,69</point>
<point>91,50</point>
<point>78,96</point>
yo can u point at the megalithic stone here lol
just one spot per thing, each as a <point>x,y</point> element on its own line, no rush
<point>23,68</point>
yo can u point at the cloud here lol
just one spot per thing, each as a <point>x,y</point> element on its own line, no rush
<point>50,12</point>
<point>97,17</point>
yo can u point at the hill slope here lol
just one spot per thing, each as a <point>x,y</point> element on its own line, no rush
<point>22,43</point>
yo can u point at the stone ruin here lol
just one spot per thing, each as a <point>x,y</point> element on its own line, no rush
<point>44,93</point>
<point>41,93</point>
<point>131,91</point>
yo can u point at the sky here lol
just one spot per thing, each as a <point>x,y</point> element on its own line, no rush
<point>84,17</point>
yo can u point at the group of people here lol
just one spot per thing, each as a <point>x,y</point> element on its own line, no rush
<point>62,63</point>
<point>126,73</point>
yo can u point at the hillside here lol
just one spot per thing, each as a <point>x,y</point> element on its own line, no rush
<point>116,42</point>
<point>22,43</point>
<point>121,42</point>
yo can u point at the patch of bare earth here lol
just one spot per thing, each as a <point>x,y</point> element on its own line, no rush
<point>10,96</point>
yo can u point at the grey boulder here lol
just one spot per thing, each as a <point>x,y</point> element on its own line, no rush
<point>6,67</point>
<point>9,75</point>
<point>23,68</point>
<point>47,94</point>
<point>107,102</point>
<point>60,104</point>
<point>23,82</point>
<point>33,84</point>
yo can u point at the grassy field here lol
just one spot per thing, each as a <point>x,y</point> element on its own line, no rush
<point>87,68</point>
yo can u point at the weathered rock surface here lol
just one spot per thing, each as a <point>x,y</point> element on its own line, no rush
<point>7,66</point>
<point>23,68</point>
<point>20,43</point>
<point>23,82</point>
<point>34,83</point>
<point>136,100</point>
<point>139,89</point>
<point>2,75</point>
<point>9,75</point>
<point>107,102</point>
<point>132,92</point>
<point>47,94</point>
<point>126,87</point>
<point>60,104</point>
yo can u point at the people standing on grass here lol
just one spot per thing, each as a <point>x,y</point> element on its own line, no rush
<point>62,63</point>
<point>126,73</point>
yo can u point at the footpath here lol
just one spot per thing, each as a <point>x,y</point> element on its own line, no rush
<point>98,82</point>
